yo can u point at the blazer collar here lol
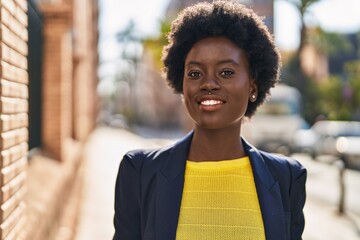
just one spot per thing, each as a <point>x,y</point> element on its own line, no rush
<point>170,185</point>
<point>175,164</point>
<point>260,169</point>
<point>169,189</point>
<point>269,195</point>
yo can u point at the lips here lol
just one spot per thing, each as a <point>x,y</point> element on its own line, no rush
<point>211,102</point>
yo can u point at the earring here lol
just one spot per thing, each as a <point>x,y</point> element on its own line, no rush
<point>253,98</point>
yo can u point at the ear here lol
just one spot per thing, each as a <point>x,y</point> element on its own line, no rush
<point>182,98</point>
<point>253,90</point>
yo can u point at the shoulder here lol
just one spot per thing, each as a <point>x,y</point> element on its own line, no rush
<point>154,159</point>
<point>283,165</point>
<point>139,158</point>
<point>279,165</point>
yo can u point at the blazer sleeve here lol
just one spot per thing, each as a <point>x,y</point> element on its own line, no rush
<point>297,200</point>
<point>127,199</point>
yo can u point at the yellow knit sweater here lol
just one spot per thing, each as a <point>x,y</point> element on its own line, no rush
<point>220,202</point>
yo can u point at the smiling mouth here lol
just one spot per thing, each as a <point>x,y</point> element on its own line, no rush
<point>211,102</point>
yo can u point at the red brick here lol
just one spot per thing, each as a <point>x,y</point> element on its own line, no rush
<point>9,5</point>
<point>13,121</point>
<point>16,23</point>
<point>13,105</point>
<point>13,73</point>
<point>17,231</point>
<point>11,171</point>
<point>13,154</point>
<point>12,186</point>
<point>58,105</point>
<point>5,17</point>
<point>14,41</point>
<point>22,4</point>
<point>14,137</point>
<point>22,17</point>
<point>13,89</point>
<point>12,219</point>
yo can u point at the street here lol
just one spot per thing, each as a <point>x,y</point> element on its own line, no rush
<point>106,147</point>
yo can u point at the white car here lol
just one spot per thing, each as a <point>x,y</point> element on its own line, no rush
<point>340,139</point>
<point>273,127</point>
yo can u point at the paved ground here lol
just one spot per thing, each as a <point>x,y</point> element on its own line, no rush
<point>106,147</point>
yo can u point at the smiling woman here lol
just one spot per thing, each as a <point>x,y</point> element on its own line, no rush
<point>217,85</point>
<point>213,184</point>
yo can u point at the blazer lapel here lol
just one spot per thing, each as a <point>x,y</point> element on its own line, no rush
<point>170,183</point>
<point>269,195</point>
<point>169,188</point>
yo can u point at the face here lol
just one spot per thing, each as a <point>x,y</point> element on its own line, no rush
<point>217,85</point>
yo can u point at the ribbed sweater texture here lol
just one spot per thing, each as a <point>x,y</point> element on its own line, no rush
<point>220,202</point>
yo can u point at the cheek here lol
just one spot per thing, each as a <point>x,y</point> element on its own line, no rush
<point>241,95</point>
<point>186,97</point>
<point>189,89</point>
<point>241,90</point>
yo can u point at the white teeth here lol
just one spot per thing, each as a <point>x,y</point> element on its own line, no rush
<point>211,102</point>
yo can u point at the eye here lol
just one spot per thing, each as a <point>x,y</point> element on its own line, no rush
<point>226,73</point>
<point>194,74</point>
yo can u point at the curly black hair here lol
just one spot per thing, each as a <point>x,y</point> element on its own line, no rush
<point>223,19</point>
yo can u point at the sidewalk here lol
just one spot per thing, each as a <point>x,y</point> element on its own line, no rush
<point>106,147</point>
<point>104,152</point>
<point>321,209</point>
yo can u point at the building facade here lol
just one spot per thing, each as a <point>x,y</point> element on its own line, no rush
<point>48,72</point>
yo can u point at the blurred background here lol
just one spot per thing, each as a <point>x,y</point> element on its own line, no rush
<point>81,85</point>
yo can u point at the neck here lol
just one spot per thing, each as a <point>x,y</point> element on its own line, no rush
<point>216,144</point>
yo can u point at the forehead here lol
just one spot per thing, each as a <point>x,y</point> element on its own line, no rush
<point>215,49</point>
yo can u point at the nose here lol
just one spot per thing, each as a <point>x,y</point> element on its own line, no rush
<point>210,83</point>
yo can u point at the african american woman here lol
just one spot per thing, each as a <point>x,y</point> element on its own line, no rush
<point>213,184</point>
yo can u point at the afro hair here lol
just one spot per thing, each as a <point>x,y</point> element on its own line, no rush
<point>223,19</point>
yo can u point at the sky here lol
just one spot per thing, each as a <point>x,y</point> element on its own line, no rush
<point>332,15</point>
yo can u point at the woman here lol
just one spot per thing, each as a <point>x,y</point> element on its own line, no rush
<point>212,184</point>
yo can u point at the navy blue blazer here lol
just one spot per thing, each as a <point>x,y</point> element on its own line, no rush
<point>150,183</point>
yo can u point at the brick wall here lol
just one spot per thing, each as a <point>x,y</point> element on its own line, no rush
<point>54,175</point>
<point>13,116</point>
<point>86,37</point>
<point>40,196</point>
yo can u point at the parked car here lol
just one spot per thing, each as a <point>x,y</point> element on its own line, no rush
<point>340,139</point>
<point>276,122</point>
<point>304,141</point>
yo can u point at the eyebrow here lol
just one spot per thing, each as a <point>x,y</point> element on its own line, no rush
<point>220,62</point>
<point>228,61</point>
<point>193,63</point>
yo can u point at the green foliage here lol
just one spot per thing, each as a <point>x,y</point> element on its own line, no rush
<point>353,73</point>
<point>358,42</point>
<point>331,100</point>
<point>293,76</point>
<point>155,45</point>
<point>328,43</point>
<point>336,98</point>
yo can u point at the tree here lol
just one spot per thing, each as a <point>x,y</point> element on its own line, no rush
<point>156,44</point>
<point>353,80</point>
<point>328,43</point>
<point>302,6</point>
<point>299,79</point>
